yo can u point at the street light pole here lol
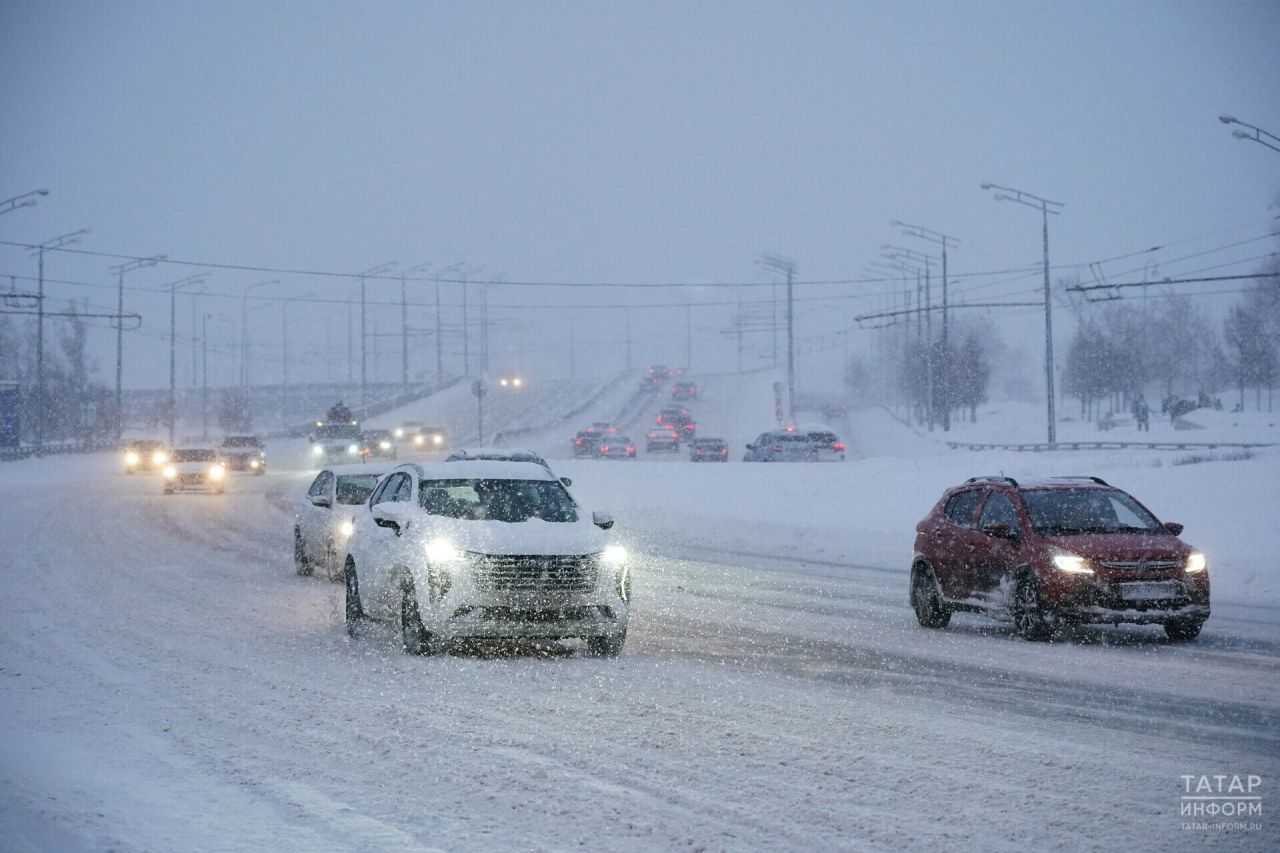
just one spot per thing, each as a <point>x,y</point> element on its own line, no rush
<point>944,241</point>
<point>120,270</point>
<point>173,352</point>
<point>55,243</point>
<point>787,266</point>
<point>364,340</point>
<point>9,205</point>
<point>900,254</point>
<point>244,331</point>
<point>1256,136</point>
<point>284,356</point>
<point>1046,207</point>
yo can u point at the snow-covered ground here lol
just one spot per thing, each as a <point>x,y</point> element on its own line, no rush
<point>167,681</point>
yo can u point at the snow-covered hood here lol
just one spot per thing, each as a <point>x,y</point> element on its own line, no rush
<point>1123,546</point>
<point>194,467</point>
<point>527,537</point>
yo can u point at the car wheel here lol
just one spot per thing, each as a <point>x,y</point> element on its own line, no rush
<point>352,611</point>
<point>301,563</point>
<point>931,611</point>
<point>606,647</point>
<point>1183,630</point>
<point>1028,616</point>
<point>414,636</point>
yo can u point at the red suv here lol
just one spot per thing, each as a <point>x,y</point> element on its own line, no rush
<point>1060,551</point>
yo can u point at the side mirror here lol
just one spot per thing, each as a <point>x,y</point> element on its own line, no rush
<point>1173,527</point>
<point>751,447</point>
<point>566,482</point>
<point>999,529</point>
<point>603,520</point>
<point>321,500</point>
<point>384,516</point>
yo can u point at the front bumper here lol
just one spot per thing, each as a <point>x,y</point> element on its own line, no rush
<point>1103,599</point>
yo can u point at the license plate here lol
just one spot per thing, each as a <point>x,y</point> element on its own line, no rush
<point>1150,590</point>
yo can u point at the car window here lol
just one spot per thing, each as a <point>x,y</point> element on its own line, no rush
<point>498,500</point>
<point>355,489</point>
<point>194,456</point>
<point>380,493</point>
<point>960,507</point>
<point>402,489</point>
<point>1084,510</point>
<point>320,485</point>
<point>999,508</point>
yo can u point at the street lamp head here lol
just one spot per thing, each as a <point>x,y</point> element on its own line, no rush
<point>1226,119</point>
<point>42,192</point>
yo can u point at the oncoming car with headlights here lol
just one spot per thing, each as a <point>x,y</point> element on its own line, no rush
<point>145,455</point>
<point>1059,551</point>
<point>486,550</point>
<point>194,469</point>
<point>336,441</point>
<point>325,516</point>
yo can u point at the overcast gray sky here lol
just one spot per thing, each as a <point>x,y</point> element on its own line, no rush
<point>620,142</point>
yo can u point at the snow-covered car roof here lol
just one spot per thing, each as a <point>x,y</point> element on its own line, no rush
<point>468,469</point>
<point>358,468</point>
<point>495,454</point>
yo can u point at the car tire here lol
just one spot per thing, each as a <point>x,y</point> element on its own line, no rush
<point>1028,616</point>
<point>415,639</point>
<point>1183,630</point>
<point>931,610</point>
<point>353,612</point>
<point>301,563</point>
<point>606,647</point>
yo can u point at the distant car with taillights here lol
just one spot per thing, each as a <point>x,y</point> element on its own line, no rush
<point>323,520</point>
<point>780,445</point>
<point>662,440</point>
<point>194,469</point>
<point>1066,550</point>
<point>679,419</point>
<point>145,455</point>
<point>616,447</point>
<point>485,550</point>
<point>244,453</point>
<point>827,446</point>
<point>684,391</point>
<point>708,450</point>
<point>377,444</point>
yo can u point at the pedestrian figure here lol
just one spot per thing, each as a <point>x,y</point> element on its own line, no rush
<point>1142,414</point>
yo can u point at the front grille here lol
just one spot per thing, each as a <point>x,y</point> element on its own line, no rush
<point>536,573</point>
<point>1142,565</point>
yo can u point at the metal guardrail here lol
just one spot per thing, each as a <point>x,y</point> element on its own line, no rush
<point>1104,445</point>
<point>58,448</point>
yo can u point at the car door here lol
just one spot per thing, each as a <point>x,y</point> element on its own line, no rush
<point>951,536</point>
<point>995,556</point>
<point>315,519</point>
<point>390,513</point>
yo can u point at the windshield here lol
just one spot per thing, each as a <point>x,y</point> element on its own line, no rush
<point>1086,511</point>
<point>194,456</point>
<point>498,500</point>
<point>241,441</point>
<point>355,488</point>
<point>337,431</point>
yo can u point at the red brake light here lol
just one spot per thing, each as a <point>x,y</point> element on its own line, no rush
<point>631,448</point>
<point>724,451</point>
<point>839,445</point>
<point>604,448</point>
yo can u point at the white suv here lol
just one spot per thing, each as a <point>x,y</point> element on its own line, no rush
<point>485,550</point>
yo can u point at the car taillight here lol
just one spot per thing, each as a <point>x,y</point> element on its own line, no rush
<point>839,445</point>
<point>577,441</point>
<point>724,451</point>
<point>631,448</point>
<point>604,448</point>
<point>777,448</point>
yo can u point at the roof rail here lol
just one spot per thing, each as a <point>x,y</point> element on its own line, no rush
<point>1089,477</point>
<point>1000,478</point>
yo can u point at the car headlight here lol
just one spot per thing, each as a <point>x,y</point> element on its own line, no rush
<point>417,439</point>
<point>1065,561</point>
<point>317,450</point>
<point>614,554</point>
<point>254,463</point>
<point>399,433</point>
<point>384,445</point>
<point>217,472</point>
<point>346,528</point>
<point>441,552</point>
<point>170,472</point>
<point>353,449</point>
<point>1195,563</point>
<point>438,439</point>
<point>159,457</point>
<point>131,458</point>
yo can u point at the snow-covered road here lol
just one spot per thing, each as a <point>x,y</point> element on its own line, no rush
<point>167,682</point>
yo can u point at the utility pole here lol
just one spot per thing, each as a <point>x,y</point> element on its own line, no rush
<point>626,319</point>
<point>787,266</point>
<point>404,339</point>
<point>944,241</point>
<point>1045,207</point>
<point>120,270</point>
<point>284,356</point>
<point>351,342</point>
<point>364,340</point>
<point>244,331</point>
<point>903,257</point>
<point>204,376</point>
<point>688,334</point>
<point>572,371</point>
<point>55,243</point>
<point>484,328</point>
<point>439,341</point>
